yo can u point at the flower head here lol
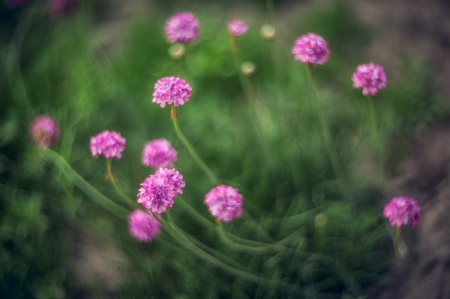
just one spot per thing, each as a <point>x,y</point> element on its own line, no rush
<point>370,77</point>
<point>109,144</point>
<point>224,203</point>
<point>143,226</point>
<point>183,28</point>
<point>159,189</point>
<point>402,211</point>
<point>159,153</point>
<point>172,91</point>
<point>44,131</point>
<point>237,28</point>
<point>311,49</point>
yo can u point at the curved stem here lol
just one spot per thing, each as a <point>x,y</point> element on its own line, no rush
<point>84,186</point>
<point>191,149</point>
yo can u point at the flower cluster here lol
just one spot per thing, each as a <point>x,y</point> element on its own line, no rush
<point>159,153</point>
<point>171,91</point>
<point>237,28</point>
<point>183,28</point>
<point>224,203</point>
<point>143,226</point>
<point>44,131</point>
<point>370,77</point>
<point>402,211</point>
<point>159,189</point>
<point>311,49</point>
<point>109,144</point>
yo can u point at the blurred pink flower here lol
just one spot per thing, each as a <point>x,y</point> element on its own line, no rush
<point>183,28</point>
<point>44,131</point>
<point>237,28</point>
<point>143,226</point>
<point>60,8</point>
<point>370,77</point>
<point>224,203</point>
<point>159,153</point>
<point>402,211</point>
<point>311,49</point>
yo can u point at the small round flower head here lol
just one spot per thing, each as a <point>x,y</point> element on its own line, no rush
<point>224,203</point>
<point>311,49</point>
<point>159,189</point>
<point>237,28</point>
<point>402,211</point>
<point>183,28</point>
<point>143,226</point>
<point>44,131</point>
<point>171,91</point>
<point>268,32</point>
<point>109,144</point>
<point>370,77</point>
<point>159,153</point>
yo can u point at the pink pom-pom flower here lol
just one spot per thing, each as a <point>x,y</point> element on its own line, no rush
<point>158,190</point>
<point>311,49</point>
<point>183,28</point>
<point>171,91</point>
<point>44,131</point>
<point>237,28</point>
<point>159,153</point>
<point>402,211</point>
<point>109,144</point>
<point>143,226</point>
<point>224,203</point>
<point>370,77</point>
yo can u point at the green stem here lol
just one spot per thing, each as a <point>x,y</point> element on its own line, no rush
<point>84,186</point>
<point>377,140</point>
<point>191,149</point>
<point>325,132</point>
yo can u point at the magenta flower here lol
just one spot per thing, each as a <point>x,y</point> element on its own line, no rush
<point>60,8</point>
<point>183,28</point>
<point>370,77</point>
<point>44,131</point>
<point>171,91</point>
<point>159,189</point>
<point>143,226</point>
<point>159,153</point>
<point>311,49</point>
<point>237,28</point>
<point>109,144</point>
<point>402,211</point>
<point>224,203</point>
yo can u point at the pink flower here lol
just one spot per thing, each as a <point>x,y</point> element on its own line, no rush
<point>159,189</point>
<point>237,28</point>
<point>44,131</point>
<point>171,91</point>
<point>183,28</point>
<point>311,49</point>
<point>109,144</point>
<point>402,211</point>
<point>370,77</point>
<point>159,153</point>
<point>143,226</point>
<point>224,203</point>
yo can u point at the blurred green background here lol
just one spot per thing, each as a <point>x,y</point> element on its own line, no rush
<point>57,243</point>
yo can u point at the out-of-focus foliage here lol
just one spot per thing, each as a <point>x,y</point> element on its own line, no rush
<point>57,243</point>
